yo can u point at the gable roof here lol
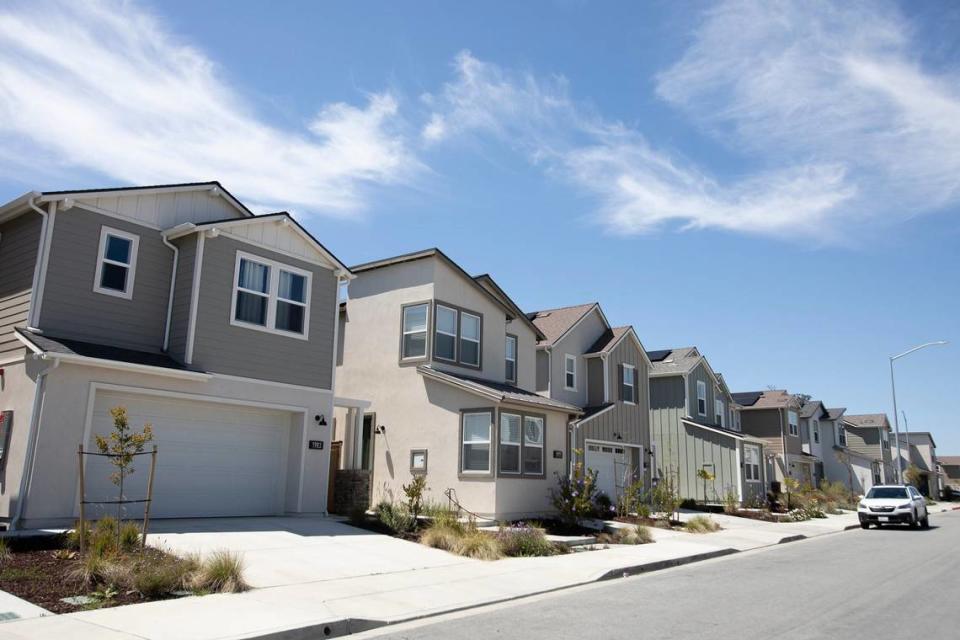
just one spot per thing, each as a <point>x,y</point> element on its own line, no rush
<point>282,216</point>
<point>497,391</point>
<point>917,435</point>
<point>510,309</point>
<point>867,420</point>
<point>556,323</point>
<point>952,461</point>
<point>774,399</point>
<point>179,186</point>
<point>487,281</point>
<point>813,409</point>
<point>673,361</point>
<point>836,413</point>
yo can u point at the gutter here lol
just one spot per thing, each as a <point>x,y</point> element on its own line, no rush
<point>72,358</point>
<point>40,267</point>
<point>173,282</point>
<point>26,477</point>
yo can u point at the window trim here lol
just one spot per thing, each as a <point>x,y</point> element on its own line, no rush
<point>747,465</point>
<point>458,361</point>
<point>719,410</point>
<point>273,296</point>
<point>519,445</point>
<point>569,358</point>
<point>516,351</point>
<point>127,293</point>
<point>426,338</point>
<point>461,338</point>
<point>841,436</point>
<point>815,428</point>
<point>702,385</point>
<point>455,335</point>
<point>415,470</point>
<point>632,385</point>
<point>523,444</point>
<point>491,461</point>
<point>793,428</point>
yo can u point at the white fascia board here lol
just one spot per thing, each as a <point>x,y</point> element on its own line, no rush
<point>692,423</point>
<point>17,206</point>
<point>115,193</point>
<point>71,358</point>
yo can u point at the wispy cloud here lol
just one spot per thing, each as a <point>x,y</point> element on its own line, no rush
<point>103,86</point>
<point>826,102</point>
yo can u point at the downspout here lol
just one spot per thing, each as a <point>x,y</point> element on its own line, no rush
<point>783,441</point>
<point>32,316</point>
<point>26,477</point>
<point>173,282</point>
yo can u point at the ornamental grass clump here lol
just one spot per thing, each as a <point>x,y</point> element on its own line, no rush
<point>524,540</point>
<point>443,533</point>
<point>701,524</point>
<point>477,544</point>
<point>220,572</point>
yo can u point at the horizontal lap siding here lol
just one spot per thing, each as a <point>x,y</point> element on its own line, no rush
<point>223,348</point>
<point>19,244</point>
<point>71,309</point>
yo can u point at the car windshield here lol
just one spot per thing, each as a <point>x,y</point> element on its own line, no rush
<point>887,492</point>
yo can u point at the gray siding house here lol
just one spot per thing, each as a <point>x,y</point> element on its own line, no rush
<point>584,361</point>
<point>841,463</point>
<point>695,427</point>
<point>774,417</point>
<point>216,326</point>
<point>869,435</point>
<point>918,449</point>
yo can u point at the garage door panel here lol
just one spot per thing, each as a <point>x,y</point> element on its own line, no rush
<point>213,459</point>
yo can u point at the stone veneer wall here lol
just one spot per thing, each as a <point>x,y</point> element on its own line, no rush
<point>351,491</point>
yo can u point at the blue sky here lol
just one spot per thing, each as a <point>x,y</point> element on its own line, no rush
<point>777,184</point>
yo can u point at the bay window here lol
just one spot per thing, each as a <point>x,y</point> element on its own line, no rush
<point>751,460</point>
<point>533,445</point>
<point>510,443</point>
<point>445,334</point>
<point>470,339</point>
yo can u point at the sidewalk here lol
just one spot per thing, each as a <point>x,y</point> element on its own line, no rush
<point>339,606</point>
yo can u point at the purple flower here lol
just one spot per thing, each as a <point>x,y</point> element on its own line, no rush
<point>574,494</point>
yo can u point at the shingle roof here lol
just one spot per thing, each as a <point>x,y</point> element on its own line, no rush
<point>953,461</point>
<point>777,398</point>
<point>811,409</point>
<point>836,413</point>
<point>607,339</point>
<point>868,420</point>
<point>657,356</point>
<point>65,346</point>
<point>553,323</point>
<point>678,361</point>
<point>506,392</point>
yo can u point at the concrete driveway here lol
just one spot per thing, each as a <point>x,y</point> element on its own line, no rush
<point>288,551</point>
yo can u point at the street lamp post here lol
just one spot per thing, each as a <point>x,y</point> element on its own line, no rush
<point>893,391</point>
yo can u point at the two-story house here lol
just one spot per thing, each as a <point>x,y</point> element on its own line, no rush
<point>448,364</point>
<point>840,462</point>
<point>918,449</point>
<point>950,470</point>
<point>215,326</point>
<point>582,360</point>
<point>812,413</point>
<point>869,435</point>
<point>696,430</point>
<point>774,416</point>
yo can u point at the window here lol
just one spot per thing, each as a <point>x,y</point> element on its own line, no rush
<point>414,339</point>
<point>719,412</point>
<point>841,436</point>
<point>533,445</point>
<point>629,392</point>
<point>570,372</point>
<point>445,335</point>
<point>509,443</point>
<point>733,420</point>
<point>476,442</point>
<point>794,423</point>
<point>701,398</point>
<point>816,432</point>
<point>470,339</point>
<point>116,263</point>
<point>751,462</point>
<point>418,461</point>
<point>887,493</point>
<point>270,296</point>
<point>885,438</point>
<point>877,478</point>
<point>510,356</point>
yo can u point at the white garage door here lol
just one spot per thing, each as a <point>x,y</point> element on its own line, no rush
<point>213,459</point>
<point>610,463</point>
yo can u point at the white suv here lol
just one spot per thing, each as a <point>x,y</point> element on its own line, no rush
<point>899,503</point>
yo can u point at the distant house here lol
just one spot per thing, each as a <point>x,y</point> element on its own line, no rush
<point>918,449</point>
<point>841,463</point>
<point>774,417</point>
<point>695,428</point>
<point>950,466</point>
<point>812,413</point>
<point>869,435</point>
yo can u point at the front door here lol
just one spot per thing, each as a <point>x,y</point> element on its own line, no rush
<point>366,442</point>
<point>610,463</point>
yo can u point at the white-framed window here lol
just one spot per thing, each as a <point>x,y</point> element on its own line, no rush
<point>841,435</point>
<point>569,372</point>
<point>885,438</point>
<point>510,443</point>
<point>510,358</point>
<point>733,420</point>
<point>533,445</point>
<point>445,334</point>
<point>271,296</point>
<point>816,432</point>
<point>413,342</point>
<point>629,393</point>
<point>719,412</point>
<point>470,339</point>
<point>793,422</point>
<point>701,398</point>
<point>116,263</point>
<point>475,457</point>
<point>751,462</point>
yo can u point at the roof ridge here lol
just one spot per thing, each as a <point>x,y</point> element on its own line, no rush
<point>569,306</point>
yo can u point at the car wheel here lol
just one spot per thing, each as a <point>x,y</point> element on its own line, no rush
<point>864,525</point>
<point>925,523</point>
<point>914,520</point>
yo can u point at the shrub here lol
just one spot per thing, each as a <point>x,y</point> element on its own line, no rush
<point>701,524</point>
<point>130,536</point>
<point>443,534</point>
<point>4,550</point>
<point>574,496</point>
<point>476,544</point>
<point>525,540</point>
<point>664,498</point>
<point>603,506</point>
<point>91,571</point>
<point>731,502</point>
<point>154,579</point>
<point>643,511</point>
<point>414,493</point>
<point>221,572</point>
<point>689,503</point>
<point>395,517</point>
<point>73,536</point>
<point>631,500</point>
<point>633,535</point>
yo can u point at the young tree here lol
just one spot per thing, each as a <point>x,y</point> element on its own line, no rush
<point>122,445</point>
<point>913,476</point>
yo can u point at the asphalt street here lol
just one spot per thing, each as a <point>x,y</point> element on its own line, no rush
<point>887,583</point>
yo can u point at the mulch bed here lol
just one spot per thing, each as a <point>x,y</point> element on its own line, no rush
<point>34,573</point>
<point>560,528</point>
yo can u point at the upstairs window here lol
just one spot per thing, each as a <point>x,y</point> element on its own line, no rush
<point>470,339</point>
<point>751,462</point>
<point>414,340</point>
<point>794,423</point>
<point>701,398</point>
<point>816,432</point>
<point>629,388</point>
<point>510,355</point>
<point>445,334</point>
<point>116,263</point>
<point>841,436</point>
<point>271,296</point>
<point>719,412</point>
<point>569,372</point>
<point>457,335</point>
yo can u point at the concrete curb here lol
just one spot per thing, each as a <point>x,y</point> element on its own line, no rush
<point>626,572</point>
